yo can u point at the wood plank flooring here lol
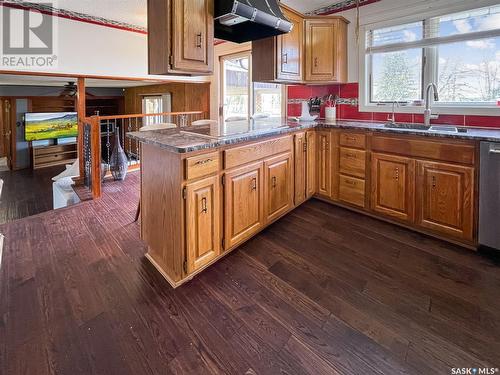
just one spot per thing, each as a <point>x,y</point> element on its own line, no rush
<point>322,291</point>
<point>26,192</point>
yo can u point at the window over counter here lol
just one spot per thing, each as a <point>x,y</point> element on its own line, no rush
<point>459,52</point>
<point>241,98</point>
<point>156,104</point>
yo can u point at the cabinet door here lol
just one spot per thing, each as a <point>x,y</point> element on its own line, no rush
<point>311,169</point>
<point>393,186</point>
<point>278,186</point>
<point>324,163</point>
<point>445,198</point>
<point>300,159</point>
<point>244,214</point>
<point>320,50</point>
<point>192,35</point>
<point>202,222</point>
<point>290,50</point>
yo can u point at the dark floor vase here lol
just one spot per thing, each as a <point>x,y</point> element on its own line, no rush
<point>118,163</point>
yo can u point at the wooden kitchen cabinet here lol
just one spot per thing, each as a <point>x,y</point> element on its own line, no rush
<point>325,49</point>
<point>311,164</point>
<point>244,203</point>
<point>280,58</point>
<point>300,167</point>
<point>324,163</point>
<point>203,237</point>
<point>278,186</point>
<point>180,36</point>
<point>392,186</point>
<point>445,196</point>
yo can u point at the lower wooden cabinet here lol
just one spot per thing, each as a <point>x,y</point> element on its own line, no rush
<point>202,222</point>
<point>392,186</point>
<point>300,167</point>
<point>446,198</point>
<point>278,186</point>
<point>324,163</point>
<point>311,164</point>
<point>243,203</point>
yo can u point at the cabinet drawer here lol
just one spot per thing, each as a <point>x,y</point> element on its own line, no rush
<point>202,165</point>
<point>352,162</point>
<point>352,190</point>
<point>356,140</point>
<point>255,151</point>
<point>448,150</point>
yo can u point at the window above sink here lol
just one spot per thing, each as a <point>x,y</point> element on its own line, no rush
<point>460,52</point>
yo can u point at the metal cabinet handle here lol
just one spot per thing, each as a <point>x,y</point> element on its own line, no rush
<point>433,181</point>
<point>315,62</point>
<point>493,151</point>
<point>204,208</point>
<point>349,182</point>
<point>396,176</point>
<point>254,184</point>
<point>284,58</point>
<point>273,179</point>
<point>199,40</point>
<point>349,155</point>
<point>201,162</point>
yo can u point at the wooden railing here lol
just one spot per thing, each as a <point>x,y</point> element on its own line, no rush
<point>99,134</point>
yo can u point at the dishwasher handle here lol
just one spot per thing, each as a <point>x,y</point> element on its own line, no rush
<point>493,151</point>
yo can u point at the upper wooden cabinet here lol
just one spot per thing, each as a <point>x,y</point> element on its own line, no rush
<point>180,36</point>
<point>392,187</point>
<point>315,50</point>
<point>446,198</point>
<point>202,222</point>
<point>326,49</point>
<point>280,58</point>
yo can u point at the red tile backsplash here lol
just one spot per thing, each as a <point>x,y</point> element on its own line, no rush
<point>349,112</point>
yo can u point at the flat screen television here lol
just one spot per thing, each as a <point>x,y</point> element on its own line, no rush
<point>39,126</point>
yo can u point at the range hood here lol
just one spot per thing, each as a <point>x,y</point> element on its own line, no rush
<point>246,20</point>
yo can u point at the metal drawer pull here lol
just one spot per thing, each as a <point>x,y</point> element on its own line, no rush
<point>204,205</point>
<point>254,184</point>
<point>494,151</point>
<point>201,162</point>
<point>349,182</point>
<point>349,155</point>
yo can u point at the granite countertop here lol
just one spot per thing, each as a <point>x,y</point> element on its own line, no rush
<point>186,139</point>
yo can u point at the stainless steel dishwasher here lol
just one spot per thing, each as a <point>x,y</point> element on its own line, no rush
<point>489,195</point>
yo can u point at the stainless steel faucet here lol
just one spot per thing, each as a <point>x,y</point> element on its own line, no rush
<point>392,119</point>
<point>428,116</point>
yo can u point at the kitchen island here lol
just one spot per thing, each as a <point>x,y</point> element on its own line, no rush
<point>206,190</point>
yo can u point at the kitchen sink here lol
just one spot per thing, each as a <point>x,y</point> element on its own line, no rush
<point>432,128</point>
<point>393,125</point>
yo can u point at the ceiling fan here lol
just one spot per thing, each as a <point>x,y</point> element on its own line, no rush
<point>70,90</point>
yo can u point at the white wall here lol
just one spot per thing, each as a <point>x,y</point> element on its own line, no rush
<point>387,10</point>
<point>88,49</point>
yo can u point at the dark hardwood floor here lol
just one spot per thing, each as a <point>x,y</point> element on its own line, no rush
<point>322,291</point>
<point>26,192</point>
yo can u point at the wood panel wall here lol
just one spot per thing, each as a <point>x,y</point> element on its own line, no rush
<point>185,96</point>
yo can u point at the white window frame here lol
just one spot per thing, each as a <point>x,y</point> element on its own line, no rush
<point>251,104</point>
<point>429,72</point>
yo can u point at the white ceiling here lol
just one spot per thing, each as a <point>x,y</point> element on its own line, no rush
<point>134,11</point>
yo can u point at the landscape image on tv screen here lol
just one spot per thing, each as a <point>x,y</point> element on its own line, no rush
<point>40,126</point>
